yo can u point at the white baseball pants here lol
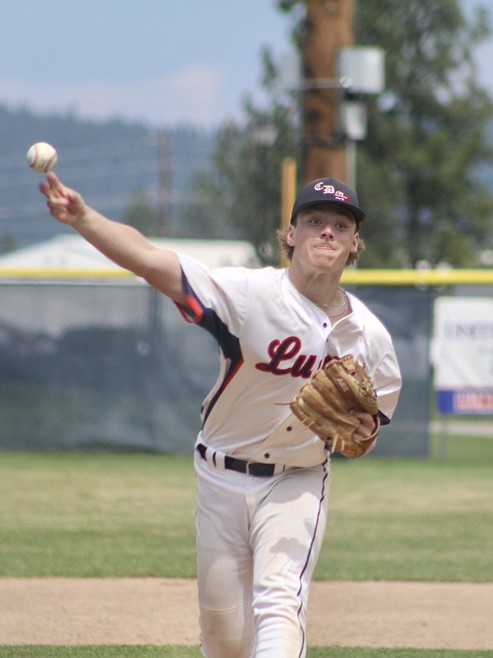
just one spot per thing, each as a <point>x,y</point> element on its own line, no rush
<point>258,541</point>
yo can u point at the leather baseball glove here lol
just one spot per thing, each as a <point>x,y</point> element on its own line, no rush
<point>323,404</point>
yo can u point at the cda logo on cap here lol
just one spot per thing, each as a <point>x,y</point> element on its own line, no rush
<point>328,190</point>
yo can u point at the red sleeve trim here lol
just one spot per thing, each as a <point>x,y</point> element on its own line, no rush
<point>193,311</point>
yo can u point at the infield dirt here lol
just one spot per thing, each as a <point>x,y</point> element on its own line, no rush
<point>158,611</point>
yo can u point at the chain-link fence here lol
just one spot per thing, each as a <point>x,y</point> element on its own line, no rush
<point>112,365</point>
<point>99,366</point>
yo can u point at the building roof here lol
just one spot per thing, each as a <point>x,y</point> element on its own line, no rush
<point>66,254</point>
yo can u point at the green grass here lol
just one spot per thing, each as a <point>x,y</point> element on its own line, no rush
<point>413,520</point>
<point>97,651</point>
<point>96,515</point>
<point>133,515</point>
<point>144,651</point>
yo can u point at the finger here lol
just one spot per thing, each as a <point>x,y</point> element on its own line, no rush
<point>58,212</point>
<point>366,421</point>
<point>362,415</point>
<point>49,187</point>
<point>54,182</point>
<point>54,207</point>
<point>53,187</point>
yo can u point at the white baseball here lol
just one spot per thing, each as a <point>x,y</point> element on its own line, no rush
<point>42,157</point>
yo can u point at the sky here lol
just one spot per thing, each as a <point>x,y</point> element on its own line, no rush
<point>162,62</point>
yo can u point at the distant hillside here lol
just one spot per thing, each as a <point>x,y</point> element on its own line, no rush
<point>106,161</point>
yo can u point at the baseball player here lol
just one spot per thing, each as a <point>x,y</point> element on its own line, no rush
<point>262,474</point>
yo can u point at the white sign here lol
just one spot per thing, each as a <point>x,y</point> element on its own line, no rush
<point>463,354</point>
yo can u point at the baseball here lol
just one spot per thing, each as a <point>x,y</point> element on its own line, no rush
<point>42,157</point>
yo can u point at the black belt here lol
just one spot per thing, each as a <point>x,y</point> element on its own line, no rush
<point>232,464</point>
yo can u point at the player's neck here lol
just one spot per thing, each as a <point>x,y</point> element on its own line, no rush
<point>321,289</point>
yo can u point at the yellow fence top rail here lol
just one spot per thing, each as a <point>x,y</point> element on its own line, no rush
<point>62,273</point>
<point>417,277</point>
<point>432,277</point>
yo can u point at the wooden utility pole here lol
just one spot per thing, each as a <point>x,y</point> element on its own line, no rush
<point>328,27</point>
<point>288,197</point>
<point>288,190</point>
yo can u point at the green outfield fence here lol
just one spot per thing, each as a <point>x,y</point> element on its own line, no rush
<point>99,360</point>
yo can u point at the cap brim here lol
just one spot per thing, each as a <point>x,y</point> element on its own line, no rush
<point>359,215</point>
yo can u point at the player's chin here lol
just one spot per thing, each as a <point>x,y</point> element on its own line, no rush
<point>325,257</point>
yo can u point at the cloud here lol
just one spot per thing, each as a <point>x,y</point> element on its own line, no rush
<point>193,95</point>
<point>197,93</point>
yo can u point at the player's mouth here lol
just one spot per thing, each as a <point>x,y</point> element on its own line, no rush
<point>325,246</point>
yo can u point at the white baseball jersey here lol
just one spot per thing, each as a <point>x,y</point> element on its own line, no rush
<point>271,340</point>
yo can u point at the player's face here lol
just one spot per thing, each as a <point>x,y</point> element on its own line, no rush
<point>323,238</point>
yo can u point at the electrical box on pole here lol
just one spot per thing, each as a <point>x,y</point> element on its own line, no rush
<point>362,71</point>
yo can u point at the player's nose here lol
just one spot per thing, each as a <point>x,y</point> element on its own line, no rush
<point>326,231</point>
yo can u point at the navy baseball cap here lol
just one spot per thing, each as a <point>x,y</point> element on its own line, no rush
<point>328,190</point>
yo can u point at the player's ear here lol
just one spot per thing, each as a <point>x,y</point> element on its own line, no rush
<point>290,236</point>
<point>355,244</point>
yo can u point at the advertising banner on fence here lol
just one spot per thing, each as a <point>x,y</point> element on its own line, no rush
<point>463,355</point>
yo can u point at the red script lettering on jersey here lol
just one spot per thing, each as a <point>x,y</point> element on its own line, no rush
<point>289,348</point>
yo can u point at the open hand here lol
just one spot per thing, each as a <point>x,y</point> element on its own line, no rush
<point>65,205</point>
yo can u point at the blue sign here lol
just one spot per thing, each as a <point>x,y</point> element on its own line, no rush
<point>466,402</point>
